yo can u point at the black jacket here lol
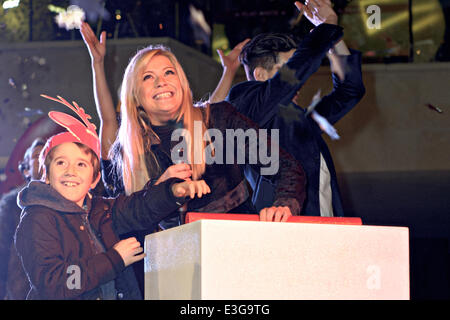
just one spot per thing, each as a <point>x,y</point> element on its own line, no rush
<point>224,179</point>
<point>13,281</point>
<point>269,103</point>
<point>53,235</point>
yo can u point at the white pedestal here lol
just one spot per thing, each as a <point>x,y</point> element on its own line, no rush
<point>216,259</point>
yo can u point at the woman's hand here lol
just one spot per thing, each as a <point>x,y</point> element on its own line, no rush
<point>318,11</point>
<point>97,49</point>
<point>180,171</point>
<point>275,214</point>
<point>190,188</point>
<point>129,249</point>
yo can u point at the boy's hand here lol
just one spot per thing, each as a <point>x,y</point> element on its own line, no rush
<point>190,188</point>
<point>275,214</point>
<point>180,171</point>
<point>318,11</point>
<point>129,250</point>
<point>97,49</point>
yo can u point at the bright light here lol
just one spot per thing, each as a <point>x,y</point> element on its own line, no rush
<point>10,4</point>
<point>118,15</point>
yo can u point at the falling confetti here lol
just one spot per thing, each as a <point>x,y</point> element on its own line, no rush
<point>70,19</point>
<point>325,125</point>
<point>432,107</point>
<point>39,60</point>
<point>11,82</point>
<point>201,29</point>
<point>321,121</point>
<point>198,18</point>
<point>314,102</point>
<point>29,112</point>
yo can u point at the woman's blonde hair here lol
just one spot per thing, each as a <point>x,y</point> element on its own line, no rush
<point>133,141</point>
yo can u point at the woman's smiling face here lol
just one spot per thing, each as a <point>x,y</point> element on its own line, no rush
<point>160,91</point>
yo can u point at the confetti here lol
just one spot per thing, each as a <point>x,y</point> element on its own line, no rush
<point>432,107</point>
<point>70,19</point>
<point>321,121</point>
<point>201,29</point>
<point>39,60</point>
<point>198,18</point>
<point>11,82</point>
<point>315,100</point>
<point>29,112</point>
<point>325,125</point>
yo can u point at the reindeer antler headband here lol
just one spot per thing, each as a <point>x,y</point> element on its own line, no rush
<point>76,131</point>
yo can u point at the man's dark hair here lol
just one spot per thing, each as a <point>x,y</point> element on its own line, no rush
<point>262,50</point>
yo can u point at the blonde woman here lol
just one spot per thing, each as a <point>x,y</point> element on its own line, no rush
<point>155,101</point>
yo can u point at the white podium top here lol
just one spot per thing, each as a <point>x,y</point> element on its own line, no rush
<point>216,259</point>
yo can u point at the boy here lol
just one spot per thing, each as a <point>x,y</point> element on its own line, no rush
<point>68,241</point>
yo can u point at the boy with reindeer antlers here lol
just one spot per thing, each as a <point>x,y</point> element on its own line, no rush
<point>68,241</point>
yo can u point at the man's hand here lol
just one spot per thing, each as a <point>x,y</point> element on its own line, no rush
<point>180,171</point>
<point>318,11</point>
<point>129,250</point>
<point>96,48</point>
<point>231,60</point>
<point>190,189</point>
<point>275,214</point>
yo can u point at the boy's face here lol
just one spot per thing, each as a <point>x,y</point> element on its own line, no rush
<point>71,172</point>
